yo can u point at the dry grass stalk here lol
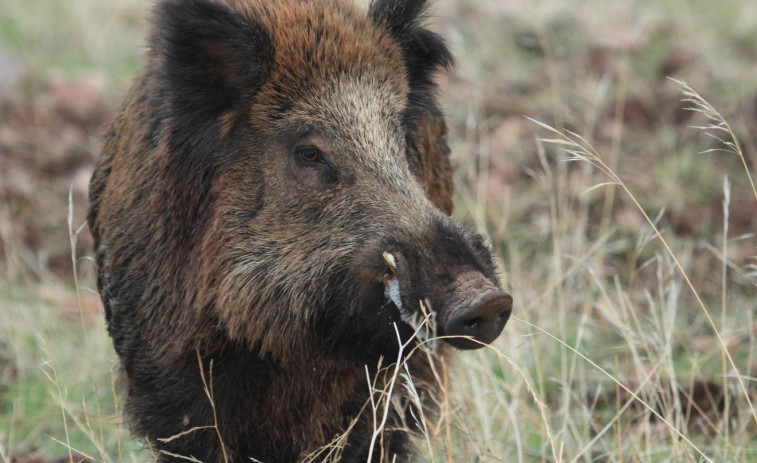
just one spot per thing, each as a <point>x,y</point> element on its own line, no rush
<point>716,127</point>
<point>578,149</point>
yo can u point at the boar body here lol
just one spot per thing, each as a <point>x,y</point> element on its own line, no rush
<point>265,158</point>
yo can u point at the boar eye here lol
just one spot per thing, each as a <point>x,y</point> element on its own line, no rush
<point>308,154</point>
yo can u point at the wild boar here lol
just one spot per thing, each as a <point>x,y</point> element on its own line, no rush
<point>273,197</point>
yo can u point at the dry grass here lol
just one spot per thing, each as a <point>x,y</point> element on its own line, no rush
<point>631,257</point>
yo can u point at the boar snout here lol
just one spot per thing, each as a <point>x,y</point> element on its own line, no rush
<point>478,309</point>
<point>452,274</point>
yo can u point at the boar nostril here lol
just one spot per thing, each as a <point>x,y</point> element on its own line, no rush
<point>483,320</point>
<point>473,322</point>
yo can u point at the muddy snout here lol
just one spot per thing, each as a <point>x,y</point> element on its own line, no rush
<point>478,309</point>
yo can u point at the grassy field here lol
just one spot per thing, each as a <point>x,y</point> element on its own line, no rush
<point>625,223</point>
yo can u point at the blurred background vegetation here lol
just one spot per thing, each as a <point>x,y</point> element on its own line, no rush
<point>611,356</point>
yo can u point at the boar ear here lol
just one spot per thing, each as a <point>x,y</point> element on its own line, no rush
<point>399,15</point>
<point>423,50</point>
<point>213,59</point>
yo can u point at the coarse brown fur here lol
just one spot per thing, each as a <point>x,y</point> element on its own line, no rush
<point>216,235</point>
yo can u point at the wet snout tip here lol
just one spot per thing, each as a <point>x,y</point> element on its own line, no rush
<point>482,321</point>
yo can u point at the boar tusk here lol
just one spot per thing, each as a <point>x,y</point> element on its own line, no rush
<point>391,262</point>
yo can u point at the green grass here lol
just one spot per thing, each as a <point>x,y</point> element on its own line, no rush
<point>54,363</point>
<point>76,38</point>
<point>606,330</point>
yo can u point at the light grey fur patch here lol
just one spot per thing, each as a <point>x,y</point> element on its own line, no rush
<point>423,330</point>
<point>392,291</point>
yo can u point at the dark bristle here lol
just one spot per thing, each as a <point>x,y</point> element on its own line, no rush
<point>210,56</point>
<point>424,51</point>
<point>398,15</point>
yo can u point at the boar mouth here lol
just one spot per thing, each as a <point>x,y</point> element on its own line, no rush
<point>472,315</point>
